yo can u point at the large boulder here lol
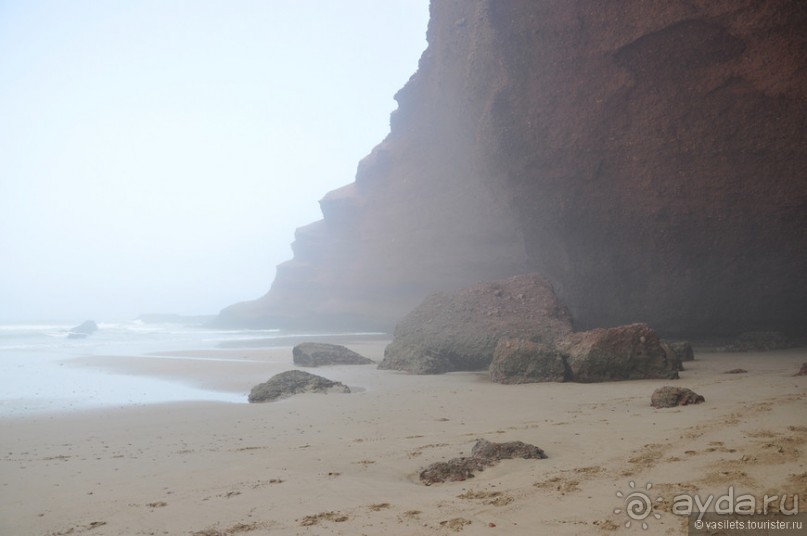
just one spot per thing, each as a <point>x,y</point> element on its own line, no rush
<point>294,382</point>
<point>522,332</point>
<point>629,352</point>
<point>318,354</point>
<point>523,361</point>
<point>460,330</point>
<point>623,353</point>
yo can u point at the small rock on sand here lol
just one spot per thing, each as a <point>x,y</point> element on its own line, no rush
<point>670,397</point>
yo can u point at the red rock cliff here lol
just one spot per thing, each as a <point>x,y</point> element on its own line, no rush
<point>650,158</point>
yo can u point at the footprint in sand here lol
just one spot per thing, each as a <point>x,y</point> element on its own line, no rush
<point>493,498</point>
<point>316,519</point>
<point>456,524</point>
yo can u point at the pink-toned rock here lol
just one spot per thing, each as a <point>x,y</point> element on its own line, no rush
<point>522,332</point>
<point>623,353</point>
<point>523,361</point>
<point>629,352</point>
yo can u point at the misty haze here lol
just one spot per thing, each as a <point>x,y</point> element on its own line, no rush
<point>157,157</point>
<point>403,267</point>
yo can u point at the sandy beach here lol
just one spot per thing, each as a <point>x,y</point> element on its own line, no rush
<point>349,463</point>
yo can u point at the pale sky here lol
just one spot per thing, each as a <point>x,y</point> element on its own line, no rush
<point>157,155</point>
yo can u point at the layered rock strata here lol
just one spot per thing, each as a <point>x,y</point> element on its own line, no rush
<point>650,158</point>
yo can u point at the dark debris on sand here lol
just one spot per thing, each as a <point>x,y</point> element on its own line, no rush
<point>483,454</point>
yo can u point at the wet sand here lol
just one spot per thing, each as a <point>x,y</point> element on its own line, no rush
<point>349,463</point>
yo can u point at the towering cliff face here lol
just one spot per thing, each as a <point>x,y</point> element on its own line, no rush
<point>650,158</point>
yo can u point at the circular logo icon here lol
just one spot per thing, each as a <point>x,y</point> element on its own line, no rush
<point>638,505</point>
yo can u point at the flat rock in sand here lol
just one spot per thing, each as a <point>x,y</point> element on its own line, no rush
<point>294,382</point>
<point>318,354</point>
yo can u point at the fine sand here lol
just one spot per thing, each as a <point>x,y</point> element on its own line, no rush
<point>349,463</point>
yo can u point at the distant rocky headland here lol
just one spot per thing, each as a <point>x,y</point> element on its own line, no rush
<point>649,159</point>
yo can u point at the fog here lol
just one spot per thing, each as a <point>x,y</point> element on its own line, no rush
<point>156,156</point>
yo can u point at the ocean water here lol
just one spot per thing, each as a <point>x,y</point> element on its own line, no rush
<point>35,376</point>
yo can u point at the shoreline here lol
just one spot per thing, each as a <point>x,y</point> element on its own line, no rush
<point>229,370</point>
<point>349,463</point>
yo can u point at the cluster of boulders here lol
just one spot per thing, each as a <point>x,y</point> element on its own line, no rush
<point>483,454</point>
<point>520,331</point>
